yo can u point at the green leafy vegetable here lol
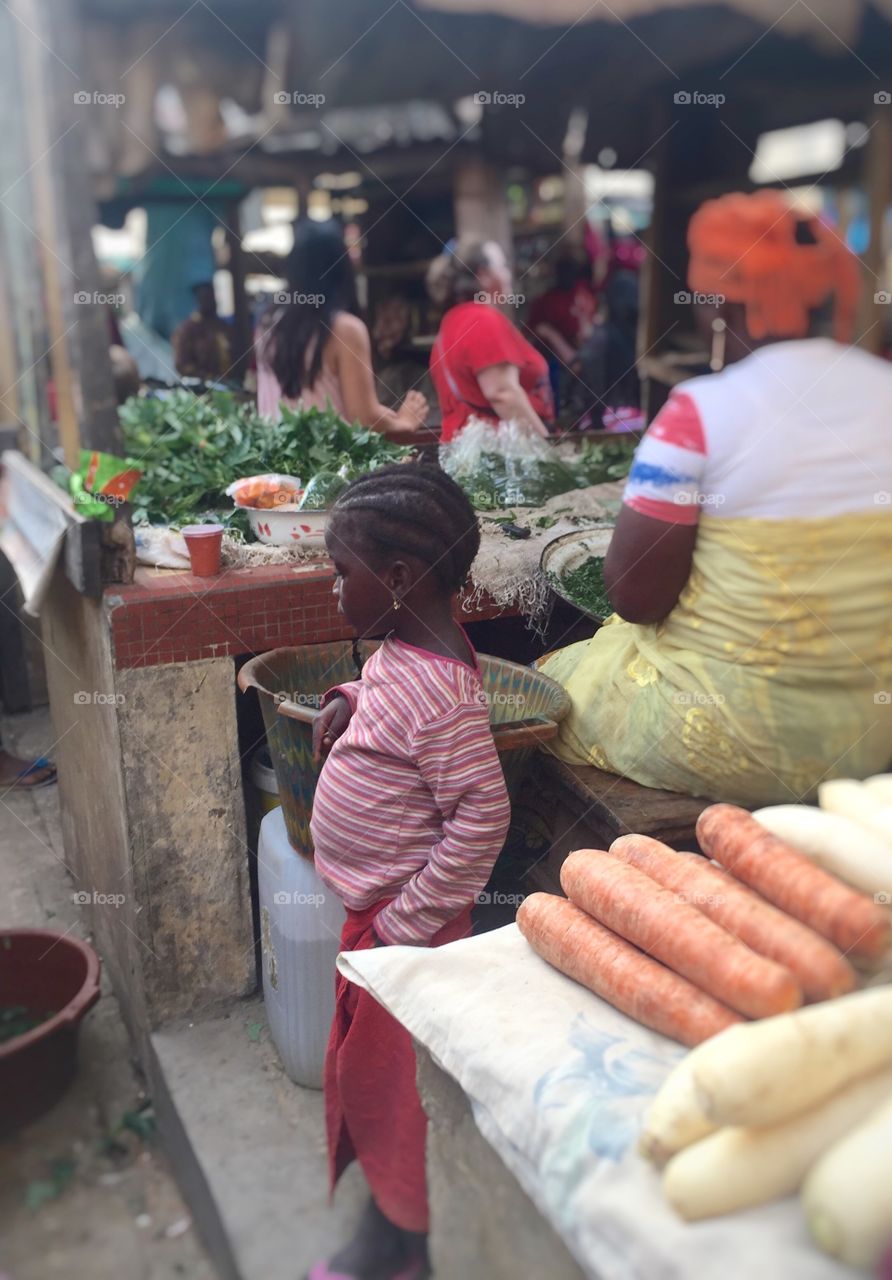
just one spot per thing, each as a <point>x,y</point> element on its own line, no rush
<point>190,448</point>
<point>584,585</point>
<point>499,481</point>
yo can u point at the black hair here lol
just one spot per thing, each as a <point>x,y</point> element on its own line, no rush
<point>417,509</point>
<point>321,284</point>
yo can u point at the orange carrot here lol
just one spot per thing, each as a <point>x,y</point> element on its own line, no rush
<point>816,964</point>
<point>792,882</point>
<point>619,973</point>
<point>660,923</point>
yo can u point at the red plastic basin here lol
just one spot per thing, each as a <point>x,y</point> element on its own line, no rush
<point>47,972</point>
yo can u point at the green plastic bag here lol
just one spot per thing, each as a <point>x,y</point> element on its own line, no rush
<point>101,484</point>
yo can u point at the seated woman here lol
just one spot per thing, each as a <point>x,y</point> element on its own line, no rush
<point>751,567</point>
<point>313,350</point>
<point>481,365</point>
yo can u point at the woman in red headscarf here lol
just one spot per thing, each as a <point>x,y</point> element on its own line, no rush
<point>751,567</point>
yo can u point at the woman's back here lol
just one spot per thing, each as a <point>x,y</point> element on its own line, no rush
<point>325,390</point>
<point>796,430</point>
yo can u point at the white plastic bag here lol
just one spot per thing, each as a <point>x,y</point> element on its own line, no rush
<point>161,547</point>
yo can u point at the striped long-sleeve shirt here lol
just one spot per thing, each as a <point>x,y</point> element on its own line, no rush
<point>411,803</point>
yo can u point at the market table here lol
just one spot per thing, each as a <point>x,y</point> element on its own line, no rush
<point>547,1180</point>
<point>144,700</point>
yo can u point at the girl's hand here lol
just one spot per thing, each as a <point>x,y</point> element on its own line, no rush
<point>329,725</point>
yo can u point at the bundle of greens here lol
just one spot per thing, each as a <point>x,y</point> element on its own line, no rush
<point>600,461</point>
<point>584,587</point>
<point>503,467</point>
<point>190,448</point>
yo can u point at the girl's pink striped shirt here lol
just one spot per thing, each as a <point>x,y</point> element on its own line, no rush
<point>411,803</point>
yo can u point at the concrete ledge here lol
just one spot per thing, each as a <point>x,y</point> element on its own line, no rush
<point>483,1224</point>
<point>248,1147</point>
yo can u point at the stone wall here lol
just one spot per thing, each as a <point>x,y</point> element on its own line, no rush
<point>153,815</point>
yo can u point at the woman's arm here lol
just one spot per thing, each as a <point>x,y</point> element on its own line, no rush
<point>500,383</point>
<point>647,565</point>
<point>352,355</point>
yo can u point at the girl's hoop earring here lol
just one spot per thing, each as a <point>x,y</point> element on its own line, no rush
<point>397,603</point>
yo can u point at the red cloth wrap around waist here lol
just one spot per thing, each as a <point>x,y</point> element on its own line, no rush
<point>372,1110</point>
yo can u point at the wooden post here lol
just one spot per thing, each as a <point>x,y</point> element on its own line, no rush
<point>481,206</point>
<point>242,334</point>
<point>26,366</point>
<point>48,38</point>
<point>9,376</point>
<point>876,310</point>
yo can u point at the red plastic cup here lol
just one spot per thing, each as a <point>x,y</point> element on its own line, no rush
<point>204,542</point>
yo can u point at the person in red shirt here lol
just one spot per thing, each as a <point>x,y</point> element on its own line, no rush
<point>481,365</point>
<point>563,317</point>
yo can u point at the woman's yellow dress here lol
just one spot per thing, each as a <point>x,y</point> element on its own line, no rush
<point>772,673</point>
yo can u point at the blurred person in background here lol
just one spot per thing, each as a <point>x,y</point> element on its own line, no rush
<point>563,316</point>
<point>607,391</point>
<point>400,367</point>
<point>481,364</point>
<point>313,349</point>
<point>202,344</point>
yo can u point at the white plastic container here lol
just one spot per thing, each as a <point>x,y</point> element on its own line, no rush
<point>300,930</point>
<point>287,527</point>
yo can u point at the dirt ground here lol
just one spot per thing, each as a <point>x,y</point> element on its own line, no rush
<point>85,1191</point>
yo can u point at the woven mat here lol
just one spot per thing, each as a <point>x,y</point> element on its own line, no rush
<point>507,569</point>
<point>249,555</point>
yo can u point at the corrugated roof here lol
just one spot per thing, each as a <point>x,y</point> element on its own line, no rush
<point>827,21</point>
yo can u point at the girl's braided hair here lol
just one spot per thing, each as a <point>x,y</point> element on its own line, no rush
<point>417,509</point>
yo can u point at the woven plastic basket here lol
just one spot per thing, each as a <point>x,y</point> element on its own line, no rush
<point>525,709</point>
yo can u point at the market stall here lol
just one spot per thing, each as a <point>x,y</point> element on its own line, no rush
<point>570,1134</point>
<point>143,682</point>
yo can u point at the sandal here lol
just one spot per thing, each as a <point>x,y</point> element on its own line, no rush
<point>36,766</point>
<point>417,1269</point>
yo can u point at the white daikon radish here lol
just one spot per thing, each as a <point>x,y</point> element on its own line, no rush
<point>737,1168</point>
<point>880,785</point>
<point>853,800</point>
<point>847,1196</point>
<point>845,848</point>
<point>764,1072</point>
<point>675,1118</point>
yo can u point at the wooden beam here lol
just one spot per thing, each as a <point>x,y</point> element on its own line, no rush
<point>48,34</point>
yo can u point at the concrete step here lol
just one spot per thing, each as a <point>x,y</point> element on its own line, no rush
<point>248,1147</point>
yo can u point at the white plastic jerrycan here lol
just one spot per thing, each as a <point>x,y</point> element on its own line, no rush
<point>300,929</point>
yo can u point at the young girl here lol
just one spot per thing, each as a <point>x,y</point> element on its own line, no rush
<point>409,816</point>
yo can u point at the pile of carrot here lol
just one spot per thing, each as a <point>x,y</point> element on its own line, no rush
<point>688,947</point>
